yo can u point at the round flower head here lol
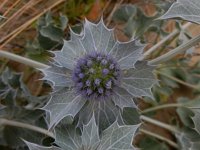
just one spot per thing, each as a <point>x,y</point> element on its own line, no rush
<point>96,74</point>
<point>100,80</point>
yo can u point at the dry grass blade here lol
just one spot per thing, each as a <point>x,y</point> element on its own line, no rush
<point>21,15</point>
<point>11,7</point>
<point>19,12</point>
<point>109,18</point>
<point>3,3</point>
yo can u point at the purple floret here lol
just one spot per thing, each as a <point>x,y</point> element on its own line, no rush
<point>104,62</point>
<point>97,82</point>
<point>88,83</point>
<point>81,75</point>
<point>105,71</point>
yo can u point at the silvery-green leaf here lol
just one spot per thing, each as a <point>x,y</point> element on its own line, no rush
<point>90,135</point>
<point>136,21</point>
<point>140,23</point>
<point>87,40</point>
<point>11,79</point>
<point>105,113</point>
<point>118,137</point>
<point>191,104</point>
<point>122,98</point>
<point>124,13</point>
<point>188,139</point>
<point>64,102</point>
<point>115,137</point>
<point>58,75</point>
<point>67,137</point>
<point>64,21</point>
<point>127,53</point>
<point>10,87</point>
<point>138,81</point>
<point>186,9</point>
<point>195,146</point>
<point>130,116</point>
<point>196,119</point>
<point>70,52</point>
<point>33,146</point>
<point>102,37</point>
<point>77,29</point>
<point>185,115</point>
<point>52,32</point>
<point>66,57</point>
<point>183,142</point>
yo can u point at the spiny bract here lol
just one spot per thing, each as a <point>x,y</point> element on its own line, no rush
<point>96,74</point>
<point>68,137</point>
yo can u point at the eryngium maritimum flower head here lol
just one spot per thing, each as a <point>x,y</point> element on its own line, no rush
<point>96,74</point>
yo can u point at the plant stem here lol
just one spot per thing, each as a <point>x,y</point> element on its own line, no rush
<point>194,107</point>
<point>160,138</point>
<point>179,81</point>
<point>160,43</point>
<point>163,47</point>
<point>161,107</point>
<point>23,60</point>
<point>2,17</point>
<point>175,51</point>
<point>26,126</point>
<point>160,124</point>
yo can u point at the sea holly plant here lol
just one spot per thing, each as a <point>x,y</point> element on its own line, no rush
<point>97,82</point>
<point>69,138</point>
<point>96,74</point>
